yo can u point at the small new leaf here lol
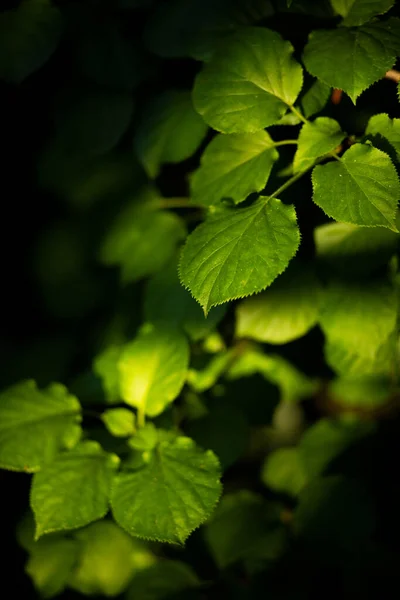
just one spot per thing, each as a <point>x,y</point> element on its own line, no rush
<point>249,83</point>
<point>153,368</point>
<point>73,490</point>
<point>362,188</point>
<point>315,140</point>
<point>35,425</point>
<point>353,59</point>
<point>233,166</point>
<point>239,252</point>
<point>171,495</point>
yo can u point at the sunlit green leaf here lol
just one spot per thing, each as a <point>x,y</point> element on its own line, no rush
<point>50,564</point>
<point>357,12</point>
<point>73,489</point>
<point>35,425</point>
<point>361,188</point>
<point>119,421</point>
<point>108,559</point>
<point>284,312</point>
<point>178,306</point>
<point>153,368</point>
<point>239,252</point>
<point>171,496</point>
<point>315,140</point>
<point>170,130</point>
<point>359,317</point>
<point>365,394</point>
<point>249,83</point>
<point>352,361</point>
<point>29,34</point>
<point>353,59</point>
<point>233,166</point>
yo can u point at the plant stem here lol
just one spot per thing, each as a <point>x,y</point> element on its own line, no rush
<point>140,418</point>
<point>298,113</point>
<point>178,203</point>
<point>288,183</point>
<point>286,143</point>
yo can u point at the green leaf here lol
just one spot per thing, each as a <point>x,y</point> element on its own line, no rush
<point>241,524</point>
<point>73,489</point>
<point>35,425</point>
<point>233,166</point>
<point>284,312</point>
<point>353,59</point>
<point>195,29</point>
<point>153,368</point>
<point>50,564</point>
<point>105,365</point>
<point>178,307</point>
<point>162,581</point>
<point>357,12</point>
<point>108,559</point>
<point>351,361</point>
<point>335,511</point>
<point>203,379</point>
<point>239,252</point>
<point>120,422</point>
<point>350,249</point>
<point>327,440</point>
<point>142,239</point>
<point>224,430</point>
<point>169,131</point>
<point>315,140</point>
<point>29,35</point>
<point>365,394</point>
<point>314,99</point>
<point>359,317</point>
<point>283,471</point>
<point>249,82</point>
<point>361,188</point>
<point>381,129</point>
<point>169,497</point>
<point>91,122</point>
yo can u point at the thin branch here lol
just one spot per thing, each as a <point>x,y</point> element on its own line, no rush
<point>393,75</point>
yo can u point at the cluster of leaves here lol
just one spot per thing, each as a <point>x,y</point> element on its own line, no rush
<point>242,183</point>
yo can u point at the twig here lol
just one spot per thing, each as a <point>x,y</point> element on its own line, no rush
<point>393,75</point>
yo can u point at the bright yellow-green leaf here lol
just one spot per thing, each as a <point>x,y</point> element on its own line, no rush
<point>119,421</point>
<point>153,368</point>
<point>248,83</point>
<point>36,424</point>
<point>50,563</point>
<point>108,559</point>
